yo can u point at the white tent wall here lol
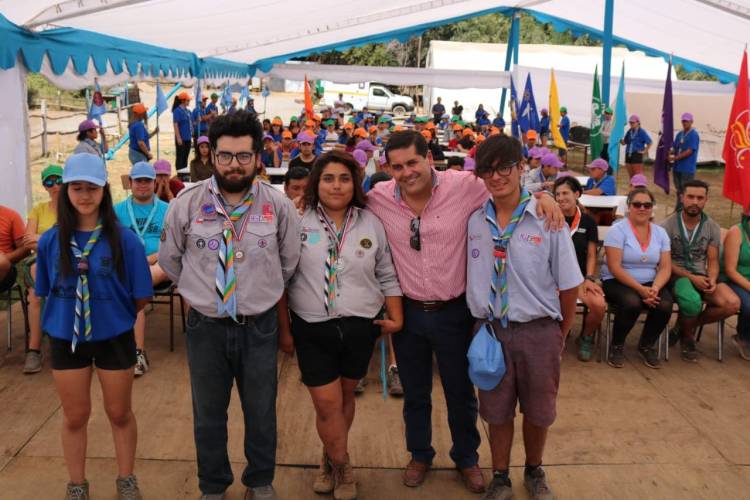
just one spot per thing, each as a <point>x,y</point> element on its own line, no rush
<point>15,190</point>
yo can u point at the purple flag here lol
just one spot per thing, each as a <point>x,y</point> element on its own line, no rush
<point>666,136</point>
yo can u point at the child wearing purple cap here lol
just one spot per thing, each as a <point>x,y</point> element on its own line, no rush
<point>201,166</point>
<point>684,154</point>
<point>637,142</point>
<point>600,184</point>
<point>543,177</point>
<point>87,135</point>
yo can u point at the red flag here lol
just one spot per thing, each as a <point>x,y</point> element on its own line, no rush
<point>308,101</point>
<point>736,152</point>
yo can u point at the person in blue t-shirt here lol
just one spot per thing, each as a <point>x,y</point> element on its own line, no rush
<point>684,154</point>
<point>600,184</point>
<point>94,275</point>
<point>144,213</point>
<point>212,109</point>
<point>544,129</point>
<point>140,145</point>
<point>200,119</point>
<point>183,130</point>
<point>499,123</point>
<point>564,124</point>
<point>637,142</point>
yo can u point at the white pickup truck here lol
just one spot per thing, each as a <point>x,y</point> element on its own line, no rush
<point>375,96</point>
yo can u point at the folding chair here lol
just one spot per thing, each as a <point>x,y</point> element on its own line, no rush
<point>15,292</point>
<point>663,337</point>
<point>719,339</point>
<point>169,290</point>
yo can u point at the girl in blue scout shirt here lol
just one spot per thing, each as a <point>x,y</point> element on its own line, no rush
<point>183,130</point>
<point>95,277</point>
<point>344,278</point>
<point>638,142</point>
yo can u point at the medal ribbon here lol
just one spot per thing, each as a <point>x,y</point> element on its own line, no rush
<point>499,281</point>
<point>687,243</point>
<point>335,247</point>
<point>134,225</point>
<point>576,222</point>
<point>647,242</point>
<point>83,298</point>
<point>226,280</point>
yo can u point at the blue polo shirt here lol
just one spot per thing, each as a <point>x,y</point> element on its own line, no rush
<point>638,264</point>
<point>137,131</point>
<point>606,184</point>
<point>141,212</point>
<point>544,125</point>
<point>181,117</point>
<point>112,298</point>
<point>202,126</point>
<point>481,122</point>
<point>498,122</point>
<point>636,140</point>
<point>565,127</point>
<point>683,142</point>
<point>211,108</point>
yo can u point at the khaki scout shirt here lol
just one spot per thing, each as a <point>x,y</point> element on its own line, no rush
<point>190,243</point>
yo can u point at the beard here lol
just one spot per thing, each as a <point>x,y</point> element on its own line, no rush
<point>234,186</point>
<point>692,211</point>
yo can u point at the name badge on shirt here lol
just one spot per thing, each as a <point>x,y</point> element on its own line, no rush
<point>534,239</point>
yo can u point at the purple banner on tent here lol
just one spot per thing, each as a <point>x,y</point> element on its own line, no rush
<point>666,137</point>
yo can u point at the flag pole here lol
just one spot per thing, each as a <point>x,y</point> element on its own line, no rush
<point>158,84</point>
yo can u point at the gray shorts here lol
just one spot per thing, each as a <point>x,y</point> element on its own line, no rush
<point>532,376</point>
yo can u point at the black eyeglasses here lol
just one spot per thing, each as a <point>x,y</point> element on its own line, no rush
<point>502,170</point>
<point>414,241</point>
<point>642,204</point>
<point>225,158</point>
<point>49,182</point>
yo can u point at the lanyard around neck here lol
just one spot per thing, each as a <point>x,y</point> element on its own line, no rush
<point>140,231</point>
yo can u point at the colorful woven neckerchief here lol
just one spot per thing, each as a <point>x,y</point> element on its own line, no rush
<point>499,281</point>
<point>226,280</point>
<point>83,298</point>
<point>333,261</point>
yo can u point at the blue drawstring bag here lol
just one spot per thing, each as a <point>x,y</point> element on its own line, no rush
<point>486,360</point>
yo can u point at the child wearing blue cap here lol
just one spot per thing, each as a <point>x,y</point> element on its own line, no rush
<point>94,275</point>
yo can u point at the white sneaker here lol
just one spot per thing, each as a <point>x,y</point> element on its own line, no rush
<point>141,363</point>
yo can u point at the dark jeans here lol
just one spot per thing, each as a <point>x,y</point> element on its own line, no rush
<point>743,320</point>
<point>182,154</point>
<point>629,306</point>
<point>220,353</point>
<point>447,333</point>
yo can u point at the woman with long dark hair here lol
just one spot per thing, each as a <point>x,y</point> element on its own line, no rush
<point>95,278</point>
<point>344,279</point>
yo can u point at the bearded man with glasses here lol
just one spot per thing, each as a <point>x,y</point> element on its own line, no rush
<point>425,214</point>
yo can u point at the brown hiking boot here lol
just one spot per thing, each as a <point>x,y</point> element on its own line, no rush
<point>345,485</point>
<point>324,480</point>
<point>415,473</point>
<point>473,479</point>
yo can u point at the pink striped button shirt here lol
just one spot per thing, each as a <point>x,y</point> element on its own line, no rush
<point>438,270</point>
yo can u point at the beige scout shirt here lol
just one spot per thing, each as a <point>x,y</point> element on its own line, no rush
<point>270,248</point>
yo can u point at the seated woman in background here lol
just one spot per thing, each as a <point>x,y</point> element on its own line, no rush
<point>737,275</point>
<point>585,236</point>
<point>201,167</point>
<point>636,270</point>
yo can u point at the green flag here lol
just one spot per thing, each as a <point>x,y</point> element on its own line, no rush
<point>595,136</point>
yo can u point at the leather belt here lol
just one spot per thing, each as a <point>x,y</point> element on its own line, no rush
<point>434,305</point>
<point>242,320</point>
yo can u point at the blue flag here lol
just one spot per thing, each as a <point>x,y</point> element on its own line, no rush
<point>198,96</point>
<point>226,97</point>
<point>97,108</point>
<point>528,118</point>
<point>161,100</point>
<point>666,136</point>
<point>244,96</point>
<point>618,128</point>
<point>514,111</point>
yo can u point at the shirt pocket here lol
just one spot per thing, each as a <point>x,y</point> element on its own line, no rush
<point>204,241</point>
<point>260,238</point>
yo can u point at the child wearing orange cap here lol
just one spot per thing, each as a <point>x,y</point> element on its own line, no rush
<point>140,147</point>
<point>276,127</point>
<point>374,137</point>
<point>453,143</point>
<point>432,143</point>
<point>183,130</point>
<point>467,141</point>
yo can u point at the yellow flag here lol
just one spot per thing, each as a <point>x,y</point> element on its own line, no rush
<point>554,113</point>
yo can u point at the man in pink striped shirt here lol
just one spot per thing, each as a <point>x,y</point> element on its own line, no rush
<point>425,214</point>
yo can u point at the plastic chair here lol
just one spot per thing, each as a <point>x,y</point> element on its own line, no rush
<point>16,293</point>
<point>663,337</point>
<point>719,339</point>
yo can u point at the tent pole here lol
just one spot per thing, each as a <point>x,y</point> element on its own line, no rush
<point>512,41</point>
<point>609,7</point>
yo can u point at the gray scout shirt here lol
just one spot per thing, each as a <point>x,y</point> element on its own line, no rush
<point>710,235</point>
<point>88,146</point>
<point>532,180</point>
<point>190,244</point>
<point>539,263</point>
<point>367,275</point>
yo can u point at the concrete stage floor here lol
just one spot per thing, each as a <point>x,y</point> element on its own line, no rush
<point>679,432</point>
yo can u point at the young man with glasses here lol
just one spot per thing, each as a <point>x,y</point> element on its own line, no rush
<point>425,215</point>
<point>522,283</point>
<point>231,243</point>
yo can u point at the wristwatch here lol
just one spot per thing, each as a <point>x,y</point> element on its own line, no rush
<point>591,278</point>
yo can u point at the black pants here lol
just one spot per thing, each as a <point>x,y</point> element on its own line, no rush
<point>182,153</point>
<point>629,306</point>
<point>447,334</point>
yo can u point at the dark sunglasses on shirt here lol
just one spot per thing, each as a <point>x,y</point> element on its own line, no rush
<point>640,204</point>
<point>51,181</point>
<point>414,241</point>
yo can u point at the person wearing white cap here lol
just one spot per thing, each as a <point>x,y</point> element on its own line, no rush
<point>543,177</point>
<point>637,142</point>
<point>684,154</point>
<point>94,275</point>
<point>144,213</point>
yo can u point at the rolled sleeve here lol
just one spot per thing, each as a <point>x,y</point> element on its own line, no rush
<point>385,272</point>
<point>172,238</point>
<point>289,240</point>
